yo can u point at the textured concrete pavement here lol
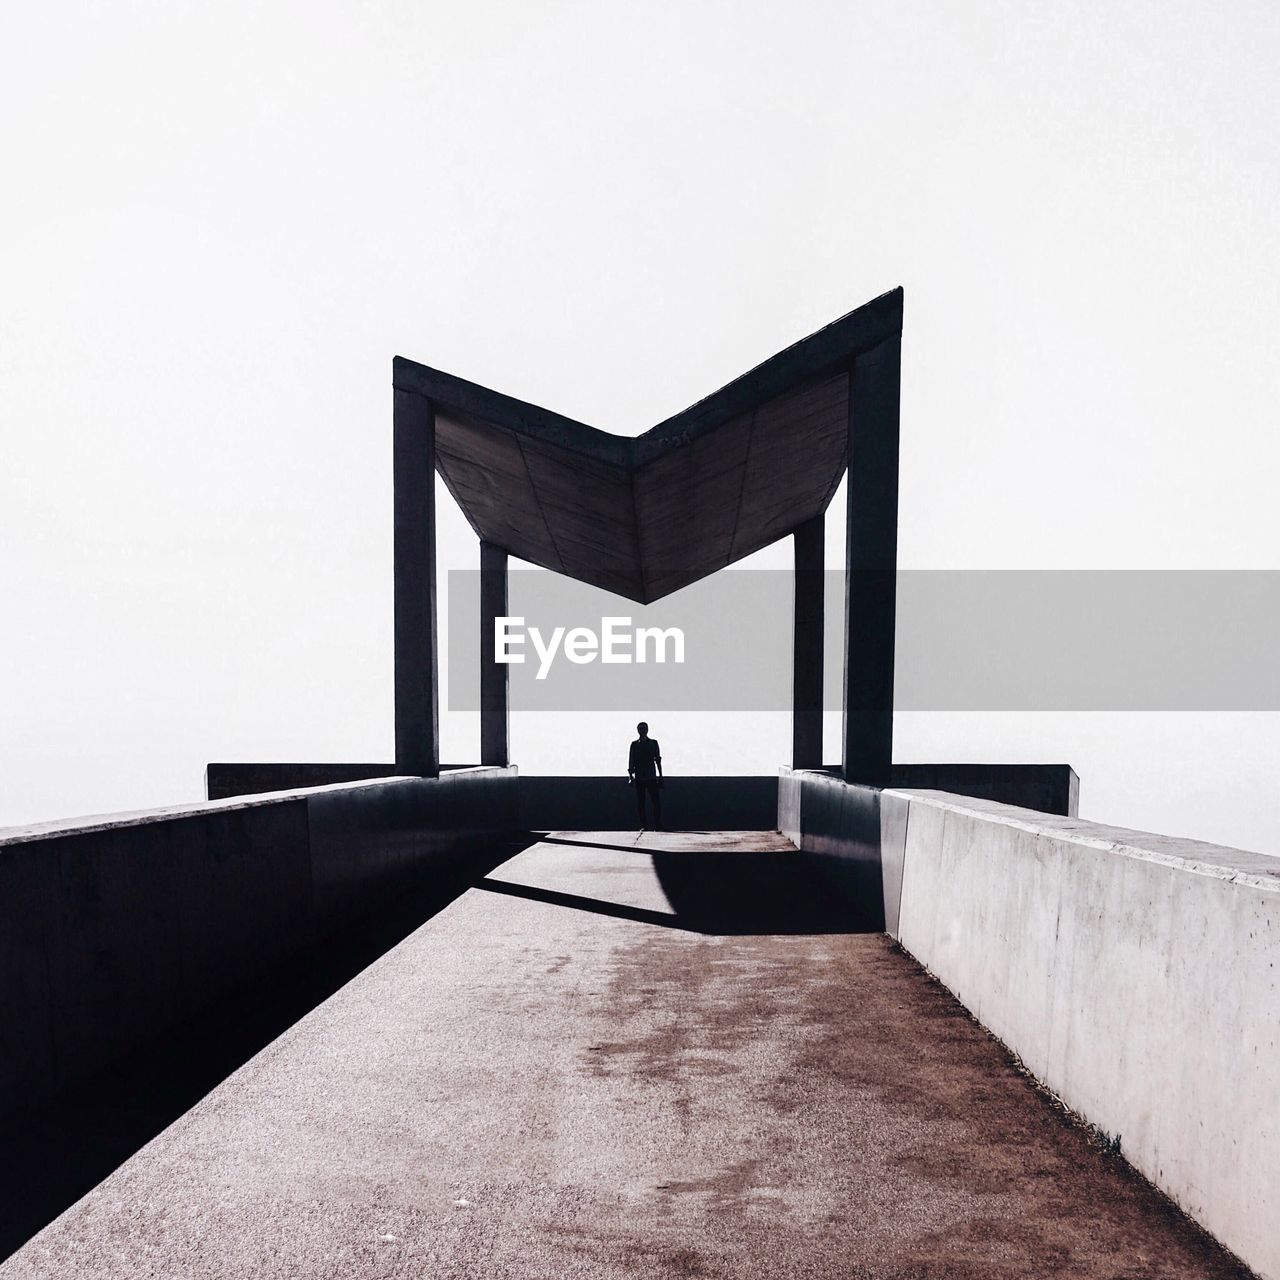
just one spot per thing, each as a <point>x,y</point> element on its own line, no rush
<point>605,1062</point>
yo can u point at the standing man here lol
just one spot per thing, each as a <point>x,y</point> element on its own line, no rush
<point>644,772</point>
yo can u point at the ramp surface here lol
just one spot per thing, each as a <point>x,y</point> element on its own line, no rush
<point>603,1062</point>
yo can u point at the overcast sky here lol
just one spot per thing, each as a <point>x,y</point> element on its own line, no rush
<point>220,222</point>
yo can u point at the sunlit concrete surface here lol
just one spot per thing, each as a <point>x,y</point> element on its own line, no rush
<point>603,1061</point>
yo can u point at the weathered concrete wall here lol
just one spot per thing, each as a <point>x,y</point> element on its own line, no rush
<point>741,803</point>
<point>1137,976</point>
<point>113,929</point>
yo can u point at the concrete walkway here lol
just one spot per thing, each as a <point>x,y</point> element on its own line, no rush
<point>601,1063</point>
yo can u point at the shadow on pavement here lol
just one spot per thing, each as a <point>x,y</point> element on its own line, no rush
<point>724,893</point>
<point>618,848</point>
<point>758,892</point>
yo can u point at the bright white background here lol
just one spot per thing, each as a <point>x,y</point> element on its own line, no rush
<point>220,222</point>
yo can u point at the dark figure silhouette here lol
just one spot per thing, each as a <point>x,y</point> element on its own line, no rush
<point>644,772</point>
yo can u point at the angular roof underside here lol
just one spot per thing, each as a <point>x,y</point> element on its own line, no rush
<point>644,516</point>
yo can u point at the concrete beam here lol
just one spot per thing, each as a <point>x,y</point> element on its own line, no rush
<point>871,563</point>
<point>806,654</point>
<point>495,747</point>
<point>730,475</point>
<point>416,668</point>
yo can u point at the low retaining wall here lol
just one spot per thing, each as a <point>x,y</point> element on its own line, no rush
<point>741,803</point>
<point>224,780</point>
<point>113,929</point>
<point>1137,976</point>
<point>1050,788</point>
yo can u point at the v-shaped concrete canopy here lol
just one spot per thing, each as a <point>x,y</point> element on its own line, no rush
<point>644,516</point>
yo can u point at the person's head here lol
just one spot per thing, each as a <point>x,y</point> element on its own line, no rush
<point>642,729</point>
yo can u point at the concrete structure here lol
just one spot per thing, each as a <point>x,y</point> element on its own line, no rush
<point>606,803</point>
<point>807,645</point>
<point>845,827</point>
<point>115,930</point>
<point>608,1059</point>
<point>1136,976</point>
<point>223,781</point>
<point>871,564</point>
<point>757,461</point>
<point>417,670</point>
<point>643,516</point>
<point>685,1054</point>
<point>708,802</point>
<point>1050,788</point>
<point>495,747</point>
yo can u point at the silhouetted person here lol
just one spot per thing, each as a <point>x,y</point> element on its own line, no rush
<point>644,771</point>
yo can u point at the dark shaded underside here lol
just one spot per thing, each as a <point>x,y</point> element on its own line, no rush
<point>643,517</point>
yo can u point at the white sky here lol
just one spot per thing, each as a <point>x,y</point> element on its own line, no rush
<point>220,222</point>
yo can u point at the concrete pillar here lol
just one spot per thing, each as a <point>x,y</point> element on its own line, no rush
<point>806,652</point>
<point>871,564</point>
<point>495,745</point>
<point>416,668</point>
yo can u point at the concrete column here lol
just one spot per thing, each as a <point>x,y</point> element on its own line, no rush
<point>416,669</point>
<point>871,564</point>
<point>806,652</point>
<point>495,745</point>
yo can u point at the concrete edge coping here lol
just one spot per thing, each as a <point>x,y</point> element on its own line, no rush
<point>1199,857</point>
<point>60,827</point>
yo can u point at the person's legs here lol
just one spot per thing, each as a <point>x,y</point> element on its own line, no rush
<point>655,798</point>
<point>639,789</point>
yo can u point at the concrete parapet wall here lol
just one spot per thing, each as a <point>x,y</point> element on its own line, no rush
<point>1050,788</point>
<point>113,929</point>
<point>225,781</point>
<point>222,781</point>
<point>1137,976</point>
<point>854,833</point>
<point>742,803</point>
